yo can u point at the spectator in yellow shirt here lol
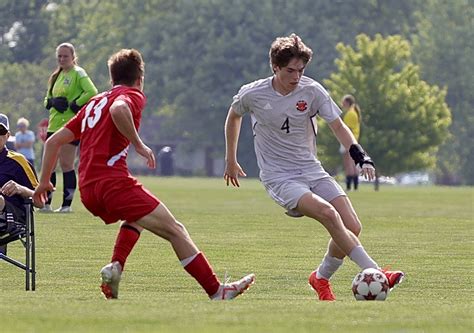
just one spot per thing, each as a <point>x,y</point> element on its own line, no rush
<point>352,119</point>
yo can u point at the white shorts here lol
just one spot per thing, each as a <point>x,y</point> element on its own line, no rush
<point>289,191</point>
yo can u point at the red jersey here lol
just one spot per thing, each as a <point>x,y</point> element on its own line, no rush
<point>103,149</point>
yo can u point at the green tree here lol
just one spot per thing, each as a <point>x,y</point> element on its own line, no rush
<point>404,119</point>
<point>23,30</point>
<point>444,48</point>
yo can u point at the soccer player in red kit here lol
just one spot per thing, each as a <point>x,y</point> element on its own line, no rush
<point>106,126</point>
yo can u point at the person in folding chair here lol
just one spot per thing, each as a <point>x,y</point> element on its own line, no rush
<point>17,182</point>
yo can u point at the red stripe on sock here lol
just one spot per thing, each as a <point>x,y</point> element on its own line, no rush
<point>126,240</point>
<point>201,270</point>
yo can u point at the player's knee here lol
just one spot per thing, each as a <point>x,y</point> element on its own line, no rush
<point>356,228</point>
<point>176,229</point>
<point>328,215</point>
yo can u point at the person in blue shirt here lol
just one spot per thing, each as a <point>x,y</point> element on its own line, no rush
<point>24,140</point>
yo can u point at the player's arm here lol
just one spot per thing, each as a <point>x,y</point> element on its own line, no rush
<point>347,139</point>
<point>50,157</point>
<point>123,120</point>
<point>233,170</point>
<point>88,91</point>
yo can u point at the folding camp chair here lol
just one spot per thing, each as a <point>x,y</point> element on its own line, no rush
<point>25,232</point>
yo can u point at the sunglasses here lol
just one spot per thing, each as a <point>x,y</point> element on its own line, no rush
<point>3,130</point>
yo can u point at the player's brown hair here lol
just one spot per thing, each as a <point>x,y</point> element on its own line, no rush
<point>284,49</point>
<point>126,67</point>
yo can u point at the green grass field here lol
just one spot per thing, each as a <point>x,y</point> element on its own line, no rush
<point>426,231</point>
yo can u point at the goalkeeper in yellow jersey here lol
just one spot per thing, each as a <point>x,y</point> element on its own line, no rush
<point>69,88</point>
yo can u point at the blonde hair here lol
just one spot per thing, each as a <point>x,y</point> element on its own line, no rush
<point>23,121</point>
<point>53,77</point>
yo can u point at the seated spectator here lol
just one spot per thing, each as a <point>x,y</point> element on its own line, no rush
<point>17,180</point>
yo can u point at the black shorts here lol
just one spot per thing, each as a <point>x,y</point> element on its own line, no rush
<point>74,143</point>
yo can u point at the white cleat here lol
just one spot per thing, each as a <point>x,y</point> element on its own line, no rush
<point>46,209</point>
<point>64,210</point>
<point>111,275</point>
<point>231,290</point>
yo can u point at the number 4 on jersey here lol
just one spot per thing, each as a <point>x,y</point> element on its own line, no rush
<point>286,125</point>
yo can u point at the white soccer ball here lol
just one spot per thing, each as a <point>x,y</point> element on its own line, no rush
<point>369,285</point>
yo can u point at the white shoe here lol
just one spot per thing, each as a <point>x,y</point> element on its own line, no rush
<point>229,291</point>
<point>63,209</point>
<point>111,275</point>
<point>46,209</point>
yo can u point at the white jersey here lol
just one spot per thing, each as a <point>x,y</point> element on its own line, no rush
<point>285,127</point>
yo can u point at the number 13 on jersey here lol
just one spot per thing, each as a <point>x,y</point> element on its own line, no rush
<point>93,113</point>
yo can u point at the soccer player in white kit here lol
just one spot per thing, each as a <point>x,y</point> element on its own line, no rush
<point>283,110</point>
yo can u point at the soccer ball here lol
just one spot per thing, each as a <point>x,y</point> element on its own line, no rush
<point>370,284</point>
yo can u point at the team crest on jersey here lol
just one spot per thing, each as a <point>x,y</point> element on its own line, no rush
<point>67,81</point>
<point>301,105</point>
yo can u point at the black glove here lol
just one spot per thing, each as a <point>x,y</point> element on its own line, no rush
<point>360,156</point>
<point>60,103</point>
<point>74,107</point>
<point>49,103</point>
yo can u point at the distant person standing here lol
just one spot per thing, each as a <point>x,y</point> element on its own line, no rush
<point>352,120</point>
<point>69,88</point>
<point>24,140</point>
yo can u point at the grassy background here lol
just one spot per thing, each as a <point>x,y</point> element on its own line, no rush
<point>425,231</point>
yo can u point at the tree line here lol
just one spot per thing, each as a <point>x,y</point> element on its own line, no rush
<point>409,64</point>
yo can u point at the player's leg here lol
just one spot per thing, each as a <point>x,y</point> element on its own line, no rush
<point>350,219</point>
<point>334,256</point>
<point>316,207</point>
<point>67,155</point>
<point>344,206</point>
<point>354,173</point>
<point>319,209</point>
<point>348,163</point>
<point>111,274</point>
<point>162,223</point>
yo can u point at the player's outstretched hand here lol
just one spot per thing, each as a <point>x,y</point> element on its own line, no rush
<point>41,193</point>
<point>146,152</point>
<point>368,171</point>
<point>232,173</point>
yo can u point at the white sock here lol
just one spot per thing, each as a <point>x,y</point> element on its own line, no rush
<point>328,267</point>
<point>361,258</point>
<point>187,260</point>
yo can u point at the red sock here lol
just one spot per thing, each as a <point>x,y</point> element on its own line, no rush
<point>126,240</point>
<point>201,270</point>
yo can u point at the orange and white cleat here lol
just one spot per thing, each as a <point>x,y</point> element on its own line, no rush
<point>231,290</point>
<point>322,287</point>
<point>394,277</point>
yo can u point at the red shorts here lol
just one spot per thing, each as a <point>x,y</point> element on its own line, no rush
<point>118,199</point>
